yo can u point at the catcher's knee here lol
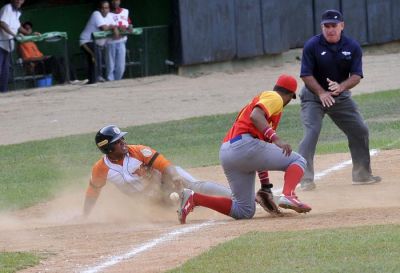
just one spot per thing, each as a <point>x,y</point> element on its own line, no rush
<point>243,212</point>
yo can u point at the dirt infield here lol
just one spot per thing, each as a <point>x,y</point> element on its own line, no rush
<point>120,225</point>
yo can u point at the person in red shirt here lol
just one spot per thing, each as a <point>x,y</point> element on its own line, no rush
<point>139,169</point>
<point>252,145</point>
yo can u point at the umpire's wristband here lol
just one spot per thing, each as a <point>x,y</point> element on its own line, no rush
<point>269,134</point>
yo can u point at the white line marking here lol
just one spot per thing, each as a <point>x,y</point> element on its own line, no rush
<point>146,246</point>
<point>336,167</point>
<point>339,166</point>
<point>178,232</point>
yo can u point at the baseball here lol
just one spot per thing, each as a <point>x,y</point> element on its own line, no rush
<point>174,196</point>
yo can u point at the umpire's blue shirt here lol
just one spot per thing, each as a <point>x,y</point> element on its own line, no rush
<point>334,61</point>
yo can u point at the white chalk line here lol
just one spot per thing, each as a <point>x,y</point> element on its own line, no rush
<point>178,232</point>
<point>146,246</point>
<point>337,167</point>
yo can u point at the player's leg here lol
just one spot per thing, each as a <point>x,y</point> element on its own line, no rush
<point>312,114</point>
<point>347,117</point>
<point>236,161</point>
<point>271,157</point>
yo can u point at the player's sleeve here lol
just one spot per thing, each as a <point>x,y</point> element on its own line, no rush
<point>150,157</point>
<point>97,180</point>
<point>271,105</point>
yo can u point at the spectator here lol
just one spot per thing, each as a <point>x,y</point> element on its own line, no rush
<point>116,48</point>
<point>9,27</point>
<point>31,55</point>
<point>100,20</point>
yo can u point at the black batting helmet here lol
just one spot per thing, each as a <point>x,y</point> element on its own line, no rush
<point>107,136</point>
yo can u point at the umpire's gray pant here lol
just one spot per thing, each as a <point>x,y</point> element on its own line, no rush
<point>345,114</point>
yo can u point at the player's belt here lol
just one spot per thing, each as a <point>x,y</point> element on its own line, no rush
<point>236,138</point>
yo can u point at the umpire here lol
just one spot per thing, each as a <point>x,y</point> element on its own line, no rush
<point>331,65</point>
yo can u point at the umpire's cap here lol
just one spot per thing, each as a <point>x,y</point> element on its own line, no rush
<point>288,83</point>
<point>331,16</point>
<point>107,136</point>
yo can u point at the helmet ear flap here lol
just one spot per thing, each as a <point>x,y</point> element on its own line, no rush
<point>110,148</point>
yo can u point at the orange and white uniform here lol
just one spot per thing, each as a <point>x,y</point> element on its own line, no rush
<point>126,174</point>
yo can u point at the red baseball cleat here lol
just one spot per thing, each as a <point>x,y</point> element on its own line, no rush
<point>186,206</point>
<point>292,202</point>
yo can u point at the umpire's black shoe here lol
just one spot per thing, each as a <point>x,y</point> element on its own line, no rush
<point>367,181</point>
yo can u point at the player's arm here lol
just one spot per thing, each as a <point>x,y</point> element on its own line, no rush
<point>169,173</point>
<point>259,120</point>
<point>171,176</point>
<point>92,193</point>
<point>153,159</point>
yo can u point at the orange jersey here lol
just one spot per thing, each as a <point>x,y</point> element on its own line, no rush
<point>29,51</point>
<point>127,173</point>
<point>272,105</point>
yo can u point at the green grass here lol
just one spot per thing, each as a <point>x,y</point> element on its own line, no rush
<point>34,171</point>
<point>361,249</point>
<point>11,262</point>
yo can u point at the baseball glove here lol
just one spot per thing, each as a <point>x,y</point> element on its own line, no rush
<point>265,198</point>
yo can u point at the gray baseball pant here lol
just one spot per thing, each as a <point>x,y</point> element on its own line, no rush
<point>345,114</point>
<point>241,160</point>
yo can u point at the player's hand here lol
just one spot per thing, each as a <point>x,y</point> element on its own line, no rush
<point>286,148</point>
<point>171,177</point>
<point>326,99</point>
<point>178,182</point>
<point>335,87</point>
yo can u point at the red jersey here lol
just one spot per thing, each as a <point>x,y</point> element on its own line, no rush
<point>272,105</point>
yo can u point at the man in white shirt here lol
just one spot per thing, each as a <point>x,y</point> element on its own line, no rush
<point>99,20</point>
<point>116,48</point>
<point>9,27</point>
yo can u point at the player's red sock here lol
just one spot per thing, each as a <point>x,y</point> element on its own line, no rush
<point>217,203</point>
<point>292,177</point>
<point>264,178</point>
